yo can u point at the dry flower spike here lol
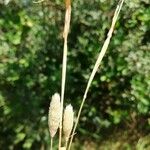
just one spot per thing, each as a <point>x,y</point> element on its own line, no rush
<point>68,121</point>
<point>63,148</point>
<point>54,114</point>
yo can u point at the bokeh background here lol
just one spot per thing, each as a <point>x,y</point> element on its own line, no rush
<point>116,115</point>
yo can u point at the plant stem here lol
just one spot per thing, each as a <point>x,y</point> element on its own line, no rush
<point>64,64</point>
<point>66,143</point>
<point>40,1</point>
<point>63,88</point>
<point>51,148</point>
<point>97,64</point>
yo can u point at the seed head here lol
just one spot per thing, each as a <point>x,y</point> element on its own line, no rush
<point>62,148</point>
<point>68,121</point>
<point>54,114</point>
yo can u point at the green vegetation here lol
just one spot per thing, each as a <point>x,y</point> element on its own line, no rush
<point>117,109</point>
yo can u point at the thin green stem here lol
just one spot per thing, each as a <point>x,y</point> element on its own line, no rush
<point>97,64</point>
<point>51,148</point>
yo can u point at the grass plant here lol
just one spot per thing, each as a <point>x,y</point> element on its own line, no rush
<point>68,113</point>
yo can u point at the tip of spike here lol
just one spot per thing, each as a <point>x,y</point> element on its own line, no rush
<point>68,3</point>
<point>69,107</point>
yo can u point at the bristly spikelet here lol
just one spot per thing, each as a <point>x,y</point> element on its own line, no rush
<point>68,121</point>
<point>54,114</point>
<point>63,148</point>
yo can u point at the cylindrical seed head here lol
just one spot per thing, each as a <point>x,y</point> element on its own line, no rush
<point>54,114</point>
<point>68,121</point>
<point>62,148</point>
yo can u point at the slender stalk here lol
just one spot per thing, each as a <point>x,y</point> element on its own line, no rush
<point>64,63</point>
<point>51,148</point>
<point>63,88</point>
<point>66,143</point>
<point>40,1</point>
<point>97,64</point>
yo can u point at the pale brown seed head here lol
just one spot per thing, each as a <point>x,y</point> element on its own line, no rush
<point>62,148</point>
<point>54,114</point>
<point>68,121</point>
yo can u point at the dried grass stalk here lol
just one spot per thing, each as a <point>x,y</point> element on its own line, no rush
<point>64,63</point>
<point>97,64</point>
<point>54,114</point>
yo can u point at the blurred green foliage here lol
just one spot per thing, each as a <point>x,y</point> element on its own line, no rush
<point>30,69</point>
